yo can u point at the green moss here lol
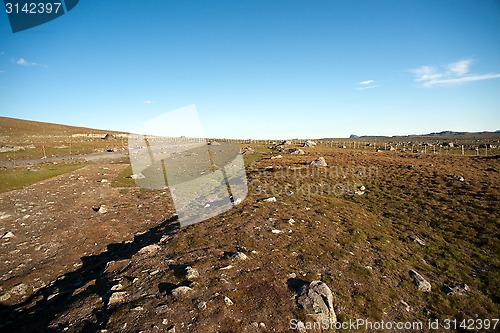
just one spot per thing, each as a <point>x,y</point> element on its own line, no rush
<point>15,178</point>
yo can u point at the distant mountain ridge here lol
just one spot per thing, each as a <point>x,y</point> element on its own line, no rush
<point>442,133</point>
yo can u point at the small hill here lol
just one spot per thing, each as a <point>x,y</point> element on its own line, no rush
<point>14,127</point>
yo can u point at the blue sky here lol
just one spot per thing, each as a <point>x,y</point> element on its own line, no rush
<point>261,69</point>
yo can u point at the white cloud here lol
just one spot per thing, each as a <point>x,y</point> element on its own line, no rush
<point>451,74</point>
<point>462,79</point>
<point>425,73</point>
<point>366,82</point>
<point>460,67</point>
<point>23,62</point>
<point>148,102</point>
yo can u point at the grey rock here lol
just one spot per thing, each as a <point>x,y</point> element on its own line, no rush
<point>228,301</point>
<point>417,240</point>
<point>317,301</point>
<point>309,144</point>
<point>17,293</point>
<point>320,162</point>
<point>191,273</point>
<point>460,290</point>
<point>8,234</point>
<point>296,151</point>
<point>421,283</point>
<point>200,305</point>
<point>150,249</point>
<point>180,292</point>
<point>117,298</point>
<point>116,266</point>
<point>239,256</point>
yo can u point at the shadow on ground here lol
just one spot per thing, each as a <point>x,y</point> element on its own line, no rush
<point>36,313</point>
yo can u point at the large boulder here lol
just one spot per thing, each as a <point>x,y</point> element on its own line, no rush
<point>309,144</point>
<point>320,162</point>
<point>317,301</point>
<point>296,151</point>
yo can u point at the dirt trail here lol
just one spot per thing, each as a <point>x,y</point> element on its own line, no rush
<point>54,224</point>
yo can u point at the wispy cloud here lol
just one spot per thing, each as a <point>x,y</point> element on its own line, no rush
<point>460,67</point>
<point>148,102</point>
<point>451,74</point>
<point>367,84</point>
<point>25,63</point>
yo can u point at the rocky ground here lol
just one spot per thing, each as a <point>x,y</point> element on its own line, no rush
<point>357,234</point>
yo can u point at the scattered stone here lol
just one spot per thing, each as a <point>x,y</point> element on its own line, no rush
<point>137,176</point>
<point>215,143</point>
<point>18,292</point>
<point>171,329</point>
<point>459,178</point>
<point>460,290</point>
<point>117,298</point>
<point>239,256</point>
<point>417,240</point>
<point>191,273</point>
<point>4,215</point>
<point>291,221</point>
<point>150,249</point>
<point>317,301</point>
<point>255,324</point>
<point>181,291</point>
<point>102,210</point>
<point>116,266</point>
<point>309,144</point>
<point>228,301</point>
<point>226,267</point>
<point>276,157</point>
<point>117,287</point>
<point>200,305</point>
<point>421,283</point>
<point>262,325</point>
<point>296,151</point>
<point>276,231</point>
<point>271,199</point>
<point>320,162</point>
<point>406,306</point>
<point>8,234</point>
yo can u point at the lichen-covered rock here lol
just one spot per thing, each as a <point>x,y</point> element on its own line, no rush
<point>317,301</point>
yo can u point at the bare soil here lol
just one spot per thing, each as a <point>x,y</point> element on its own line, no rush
<point>69,268</point>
